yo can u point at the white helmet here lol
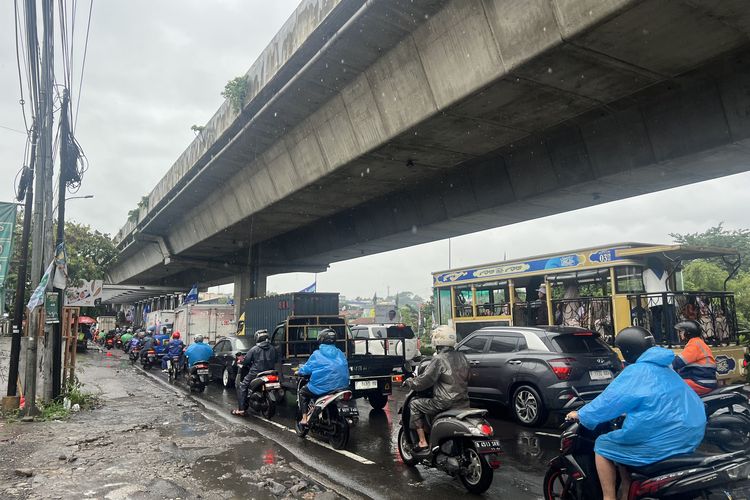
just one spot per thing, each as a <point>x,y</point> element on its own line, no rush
<point>444,336</point>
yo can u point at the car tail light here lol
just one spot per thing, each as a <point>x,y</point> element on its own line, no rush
<point>562,367</point>
<point>272,378</point>
<point>486,429</point>
<point>583,334</point>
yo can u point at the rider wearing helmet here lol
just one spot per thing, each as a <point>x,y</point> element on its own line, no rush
<point>448,375</point>
<point>696,363</point>
<point>664,417</point>
<point>148,342</point>
<point>174,349</point>
<point>328,370</point>
<point>198,351</point>
<point>260,358</point>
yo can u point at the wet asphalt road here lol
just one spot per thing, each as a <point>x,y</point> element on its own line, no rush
<point>372,466</point>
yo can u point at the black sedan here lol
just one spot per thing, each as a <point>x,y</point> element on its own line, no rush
<point>228,354</point>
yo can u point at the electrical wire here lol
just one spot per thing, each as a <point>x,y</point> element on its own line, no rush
<point>22,101</point>
<point>83,64</point>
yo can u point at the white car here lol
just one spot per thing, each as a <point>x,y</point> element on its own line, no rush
<point>379,339</point>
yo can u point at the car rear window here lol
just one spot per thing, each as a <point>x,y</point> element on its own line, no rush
<point>579,344</point>
<point>400,332</point>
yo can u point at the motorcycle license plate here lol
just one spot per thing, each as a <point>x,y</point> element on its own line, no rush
<point>366,384</point>
<point>274,385</point>
<point>600,374</point>
<point>203,371</point>
<point>488,446</point>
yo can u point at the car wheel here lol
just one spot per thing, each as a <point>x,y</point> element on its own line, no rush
<point>527,406</point>
<point>227,379</point>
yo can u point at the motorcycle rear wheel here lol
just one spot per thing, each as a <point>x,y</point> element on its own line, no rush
<point>341,437</point>
<point>267,407</point>
<point>404,449</point>
<point>300,429</point>
<point>740,436</point>
<point>479,477</point>
<point>558,485</point>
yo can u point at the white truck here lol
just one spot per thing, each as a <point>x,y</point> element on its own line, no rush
<point>157,319</point>
<point>106,323</point>
<point>210,320</point>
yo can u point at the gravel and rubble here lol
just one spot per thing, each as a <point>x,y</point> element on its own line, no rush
<point>144,441</point>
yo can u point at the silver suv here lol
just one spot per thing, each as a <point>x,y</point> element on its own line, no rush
<point>538,370</point>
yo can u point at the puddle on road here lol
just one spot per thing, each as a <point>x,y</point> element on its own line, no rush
<point>244,469</point>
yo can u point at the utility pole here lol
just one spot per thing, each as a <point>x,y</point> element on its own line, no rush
<point>42,236</point>
<point>66,158</point>
<point>19,306</point>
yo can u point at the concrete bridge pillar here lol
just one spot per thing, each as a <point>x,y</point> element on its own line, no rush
<point>248,284</point>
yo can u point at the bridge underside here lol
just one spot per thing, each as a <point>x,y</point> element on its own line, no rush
<point>517,121</point>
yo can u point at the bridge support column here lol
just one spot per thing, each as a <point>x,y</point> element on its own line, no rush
<point>248,284</point>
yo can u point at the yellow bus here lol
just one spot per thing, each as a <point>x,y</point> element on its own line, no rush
<point>603,289</point>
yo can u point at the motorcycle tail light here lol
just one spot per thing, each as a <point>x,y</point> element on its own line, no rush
<point>397,378</point>
<point>151,351</point>
<point>650,486</point>
<point>240,358</point>
<point>347,396</point>
<point>486,429</point>
<point>272,378</point>
<point>495,464</point>
<point>566,444</point>
<point>562,367</point>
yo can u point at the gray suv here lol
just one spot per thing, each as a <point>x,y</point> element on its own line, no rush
<point>537,370</point>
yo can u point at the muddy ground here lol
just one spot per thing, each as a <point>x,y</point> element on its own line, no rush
<point>145,440</point>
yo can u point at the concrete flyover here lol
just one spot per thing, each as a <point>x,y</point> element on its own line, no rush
<point>374,125</point>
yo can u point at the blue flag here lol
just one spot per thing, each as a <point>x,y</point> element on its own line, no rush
<point>310,289</point>
<point>192,296</point>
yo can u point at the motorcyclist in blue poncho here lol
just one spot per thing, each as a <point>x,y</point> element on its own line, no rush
<point>328,370</point>
<point>664,416</point>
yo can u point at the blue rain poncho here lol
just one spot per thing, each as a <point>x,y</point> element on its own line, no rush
<point>664,416</point>
<point>328,370</point>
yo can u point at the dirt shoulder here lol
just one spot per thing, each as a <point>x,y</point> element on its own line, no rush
<point>143,441</point>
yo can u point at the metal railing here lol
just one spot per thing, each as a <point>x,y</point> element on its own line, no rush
<point>593,313</point>
<point>659,312</point>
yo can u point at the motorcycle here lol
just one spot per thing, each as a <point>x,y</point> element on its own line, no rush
<point>461,444</point>
<point>572,475</point>
<point>134,354</point>
<point>109,343</point>
<point>173,367</point>
<point>328,416</point>
<point>728,418</point>
<point>198,376</point>
<point>149,360</point>
<point>118,343</point>
<point>265,393</point>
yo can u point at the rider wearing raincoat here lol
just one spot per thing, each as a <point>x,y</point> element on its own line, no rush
<point>327,368</point>
<point>664,416</point>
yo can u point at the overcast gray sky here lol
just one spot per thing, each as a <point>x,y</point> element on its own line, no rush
<point>155,68</point>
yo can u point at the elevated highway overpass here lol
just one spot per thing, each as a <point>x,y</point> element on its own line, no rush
<point>374,125</point>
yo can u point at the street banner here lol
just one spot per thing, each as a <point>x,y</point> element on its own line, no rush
<point>60,279</point>
<point>52,307</point>
<point>7,226</point>
<point>88,294</point>
<point>37,297</point>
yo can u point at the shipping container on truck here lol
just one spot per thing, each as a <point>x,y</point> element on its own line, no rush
<point>157,319</point>
<point>106,323</point>
<point>293,321</point>
<point>210,320</point>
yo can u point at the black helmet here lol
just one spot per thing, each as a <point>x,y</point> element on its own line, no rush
<point>261,335</point>
<point>327,336</point>
<point>634,341</point>
<point>691,328</point>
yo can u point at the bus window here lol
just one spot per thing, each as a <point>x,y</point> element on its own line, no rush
<point>464,299</point>
<point>445,306</point>
<point>493,300</point>
<point>629,279</point>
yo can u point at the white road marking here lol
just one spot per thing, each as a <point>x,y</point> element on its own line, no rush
<point>549,434</point>
<point>206,404</point>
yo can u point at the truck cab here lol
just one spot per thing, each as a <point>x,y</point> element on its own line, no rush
<point>371,374</point>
